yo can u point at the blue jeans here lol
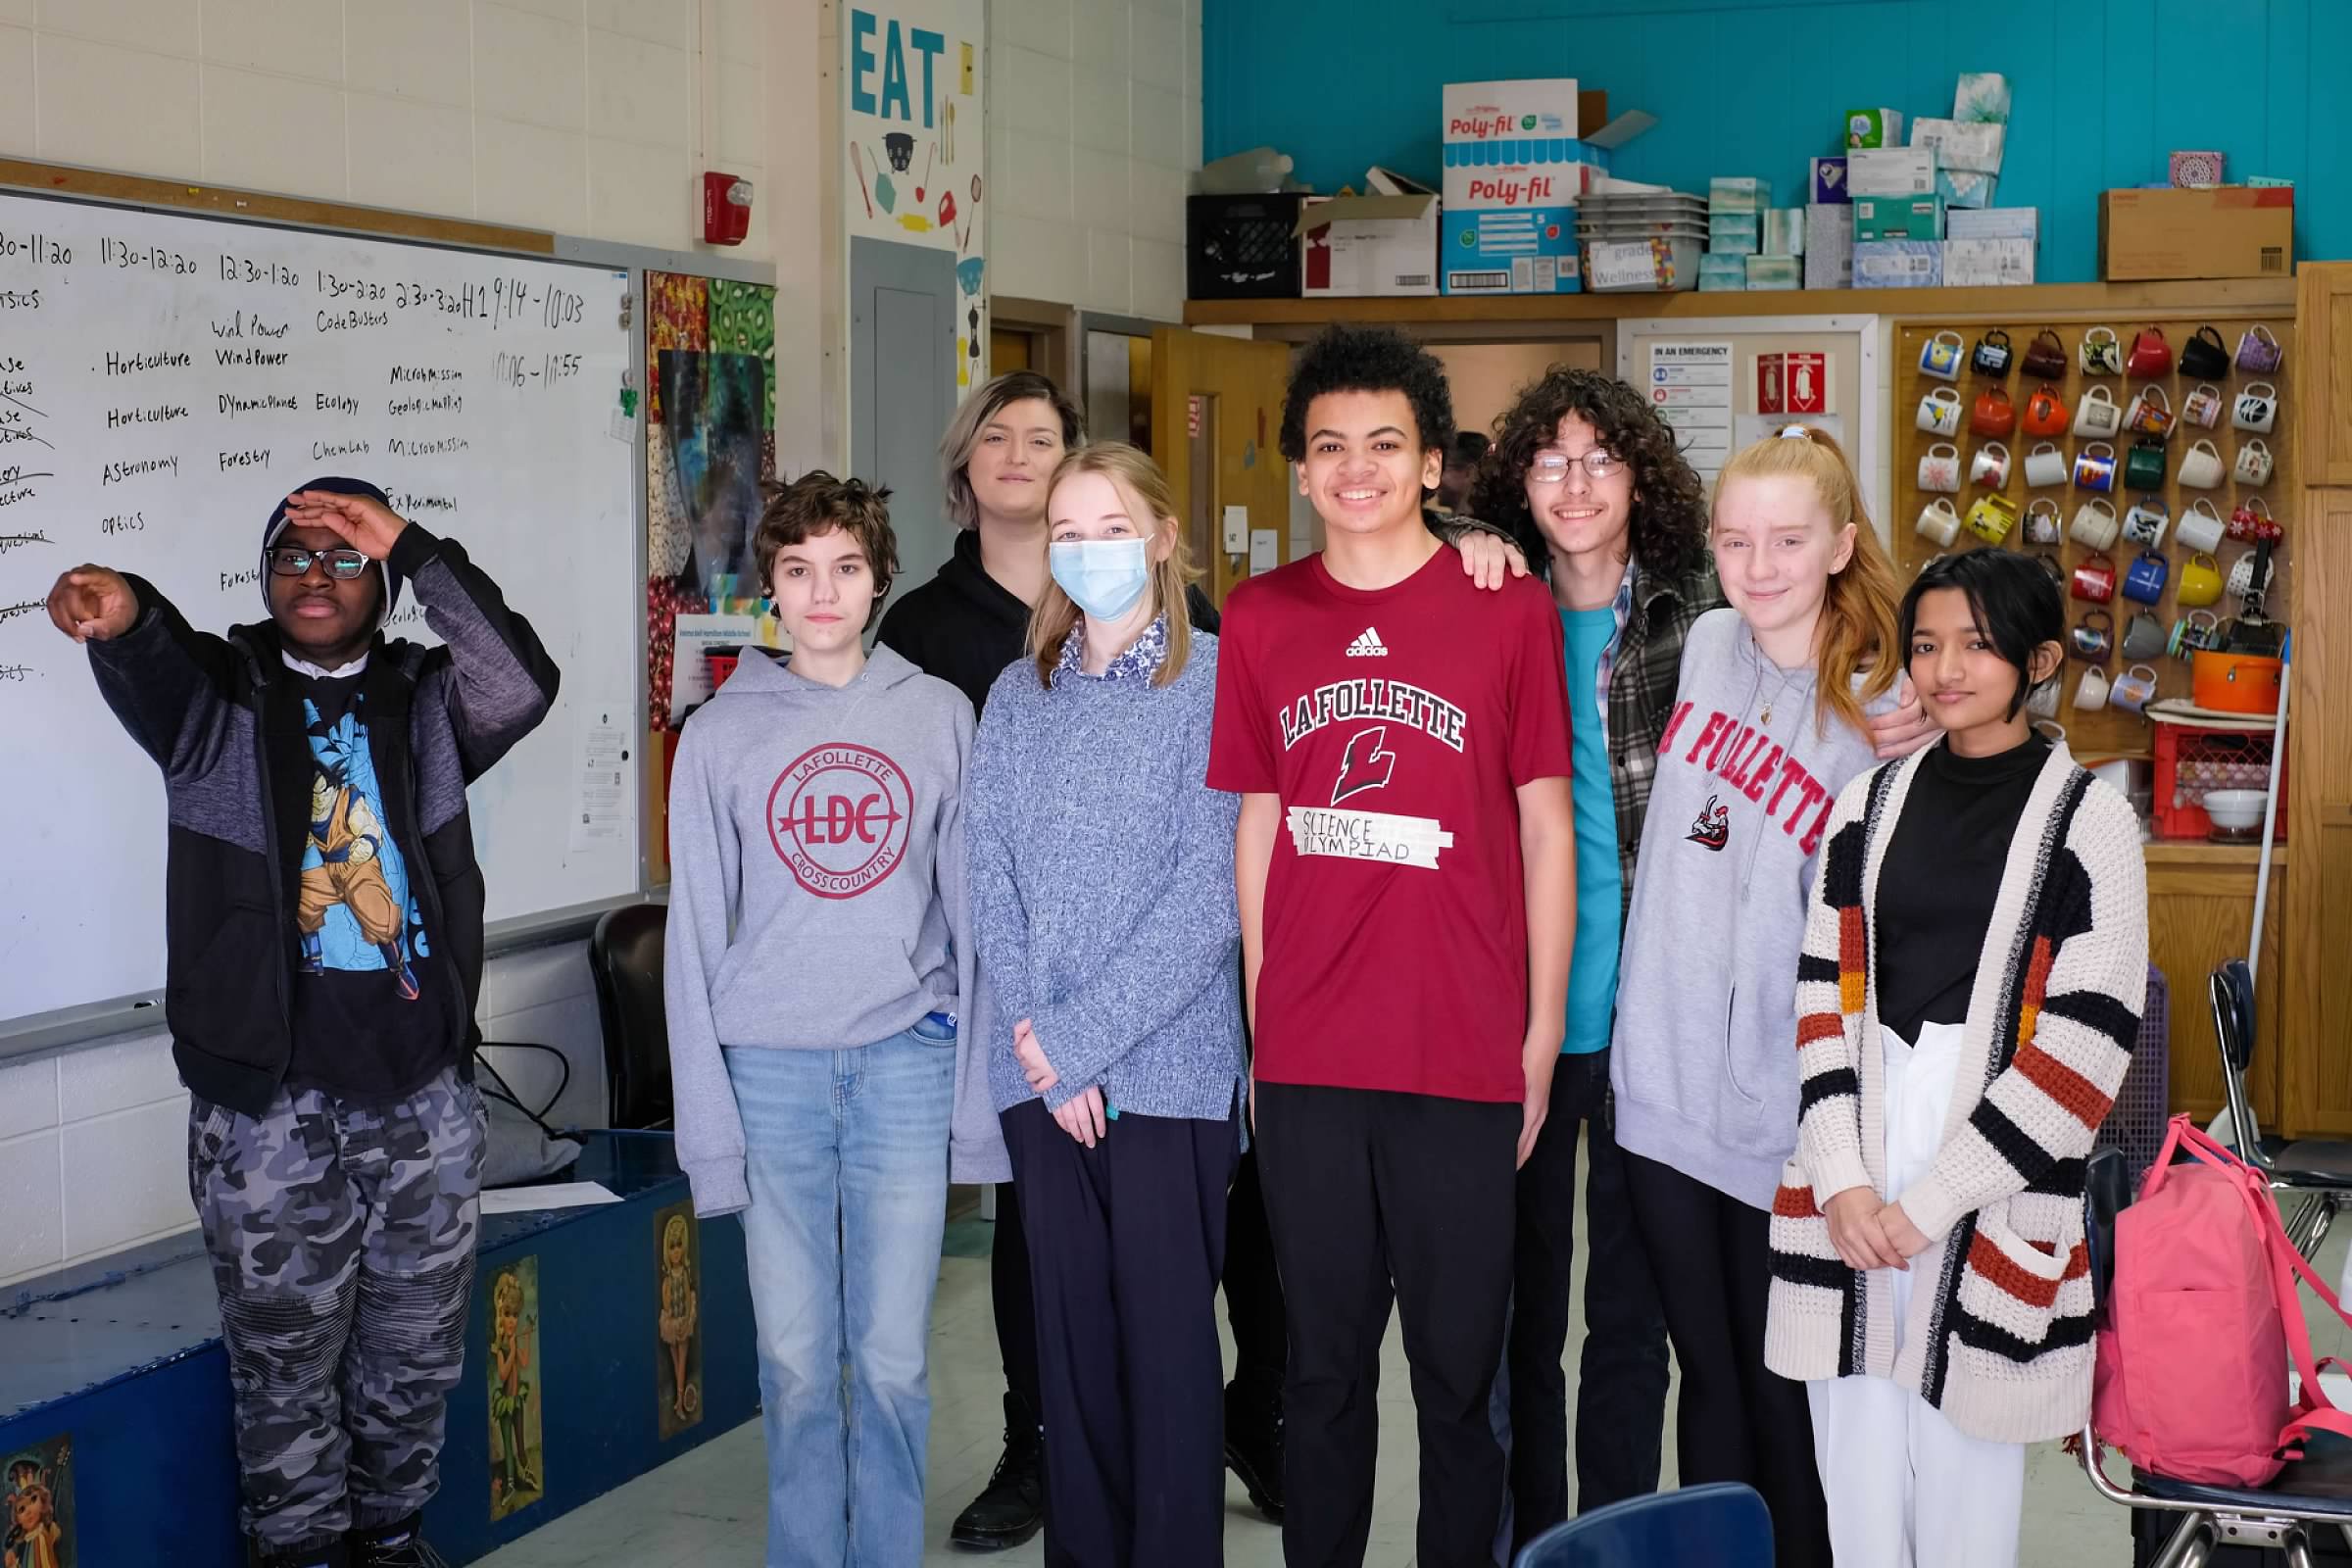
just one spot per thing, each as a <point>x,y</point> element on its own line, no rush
<point>846,1155</point>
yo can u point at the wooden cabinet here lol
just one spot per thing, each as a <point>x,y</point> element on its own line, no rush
<point>2200,904</point>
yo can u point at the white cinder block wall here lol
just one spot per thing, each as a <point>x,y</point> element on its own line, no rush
<point>1093,129</point>
<point>588,118</point>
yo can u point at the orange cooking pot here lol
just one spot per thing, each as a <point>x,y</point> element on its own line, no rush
<point>2235,683</point>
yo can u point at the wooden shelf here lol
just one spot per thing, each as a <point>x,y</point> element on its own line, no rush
<point>2214,297</point>
<point>2191,852</point>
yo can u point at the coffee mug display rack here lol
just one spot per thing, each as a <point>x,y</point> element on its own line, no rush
<point>2109,730</point>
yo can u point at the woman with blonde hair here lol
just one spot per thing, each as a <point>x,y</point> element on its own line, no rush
<point>1771,720</point>
<point>1102,909</point>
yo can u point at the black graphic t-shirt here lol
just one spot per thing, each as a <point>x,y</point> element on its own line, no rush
<point>371,994</point>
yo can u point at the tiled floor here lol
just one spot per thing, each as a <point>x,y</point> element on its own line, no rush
<point>707,1509</point>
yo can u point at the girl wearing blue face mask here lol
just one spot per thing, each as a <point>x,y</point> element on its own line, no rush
<point>1102,909</point>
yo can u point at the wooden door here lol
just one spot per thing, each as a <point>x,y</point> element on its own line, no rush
<point>1216,405</point>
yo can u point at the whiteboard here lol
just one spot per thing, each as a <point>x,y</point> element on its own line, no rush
<point>165,381</point>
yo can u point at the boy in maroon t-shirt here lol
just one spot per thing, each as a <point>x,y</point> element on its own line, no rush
<point>1406,866</point>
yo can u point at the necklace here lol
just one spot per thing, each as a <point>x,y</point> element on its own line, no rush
<point>1776,692</point>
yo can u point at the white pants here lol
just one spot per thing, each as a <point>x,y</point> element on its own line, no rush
<point>1874,1440</point>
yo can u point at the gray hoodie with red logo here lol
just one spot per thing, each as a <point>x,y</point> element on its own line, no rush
<point>817,898</point>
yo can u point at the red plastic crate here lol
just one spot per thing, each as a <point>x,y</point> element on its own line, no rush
<point>2194,757</point>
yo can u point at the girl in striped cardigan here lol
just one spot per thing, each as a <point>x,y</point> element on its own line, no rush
<point>1973,976</point>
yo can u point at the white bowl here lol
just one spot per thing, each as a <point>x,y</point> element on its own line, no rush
<point>2239,810</point>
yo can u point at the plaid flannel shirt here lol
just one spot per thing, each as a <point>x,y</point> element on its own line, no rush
<point>1638,673</point>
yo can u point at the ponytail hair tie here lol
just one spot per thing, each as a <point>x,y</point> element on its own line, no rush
<point>1795,432</point>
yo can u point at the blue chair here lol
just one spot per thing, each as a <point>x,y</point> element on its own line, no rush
<point>1721,1526</point>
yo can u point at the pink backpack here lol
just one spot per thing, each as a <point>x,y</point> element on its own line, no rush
<point>2202,1321</point>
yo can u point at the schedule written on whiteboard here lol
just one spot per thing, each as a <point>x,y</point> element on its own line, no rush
<point>165,381</point>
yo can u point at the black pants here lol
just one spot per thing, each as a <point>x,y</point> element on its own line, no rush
<point>1622,1376</point>
<point>1377,1197</point>
<point>1009,1292</point>
<point>1737,1419</point>
<point>1132,1236</point>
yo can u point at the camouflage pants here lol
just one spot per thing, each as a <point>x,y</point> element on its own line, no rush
<point>342,1242</point>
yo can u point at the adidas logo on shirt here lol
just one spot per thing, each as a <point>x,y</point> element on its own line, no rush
<point>1368,646</point>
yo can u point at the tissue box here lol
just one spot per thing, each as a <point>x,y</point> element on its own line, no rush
<point>1744,194</point>
<point>1899,264</point>
<point>1984,97</point>
<point>1828,245</point>
<point>1775,272</point>
<point>1962,144</point>
<point>1874,128</point>
<point>1966,188</point>
<point>1891,171</point>
<point>1509,251</point>
<point>1719,275</point>
<point>2196,170</point>
<point>1995,222</point>
<point>1829,180</point>
<point>1736,233</point>
<point>1878,218</point>
<point>1785,231</point>
<point>1984,262</point>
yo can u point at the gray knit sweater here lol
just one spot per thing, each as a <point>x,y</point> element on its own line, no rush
<point>1101,883</point>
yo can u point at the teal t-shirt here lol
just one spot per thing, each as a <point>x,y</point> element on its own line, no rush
<point>1592,974</point>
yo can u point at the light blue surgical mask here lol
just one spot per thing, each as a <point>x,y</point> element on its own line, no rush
<point>1103,577</point>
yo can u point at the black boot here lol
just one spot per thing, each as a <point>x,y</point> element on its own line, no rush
<point>394,1545</point>
<point>1254,1443</point>
<point>1013,1506</point>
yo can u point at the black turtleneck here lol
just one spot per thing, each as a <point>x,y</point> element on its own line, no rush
<point>1941,877</point>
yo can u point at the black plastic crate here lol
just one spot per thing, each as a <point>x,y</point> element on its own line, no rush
<point>1241,247</point>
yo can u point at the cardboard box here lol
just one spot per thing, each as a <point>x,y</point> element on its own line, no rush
<point>1993,223</point>
<point>1828,245</point>
<point>2229,231</point>
<point>1984,95</point>
<point>1722,274</point>
<point>1987,263</point>
<point>1891,171</point>
<point>1785,231</point>
<point>1969,146</point>
<point>1899,264</point>
<point>1728,193</point>
<point>1383,244</point>
<point>1897,217</point>
<point>1874,128</point>
<point>1829,180</point>
<point>1505,111</point>
<point>1483,176</point>
<point>1517,250</point>
<point>1775,272</point>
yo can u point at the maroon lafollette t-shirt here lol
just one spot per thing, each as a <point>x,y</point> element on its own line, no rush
<point>1395,724</point>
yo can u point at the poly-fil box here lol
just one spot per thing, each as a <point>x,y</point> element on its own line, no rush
<point>1364,246</point>
<point>1515,250</point>
<point>1485,174</point>
<point>1508,111</point>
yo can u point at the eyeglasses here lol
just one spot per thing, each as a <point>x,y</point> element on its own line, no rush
<point>344,564</point>
<point>1551,467</point>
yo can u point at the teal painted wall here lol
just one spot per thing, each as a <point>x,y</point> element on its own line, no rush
<point>2103,89</point>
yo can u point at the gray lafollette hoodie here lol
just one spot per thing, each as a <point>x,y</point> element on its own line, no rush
<point>1704,1061</point>
<point>817,898</point>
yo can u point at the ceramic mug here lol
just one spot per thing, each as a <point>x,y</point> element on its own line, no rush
<point>1939,469</point>
<point>2095,524</point>
<point>2145,522</point>
<point>2098,413</point>
<point>2101,353</point>
<point>2046,357</point>
<point>2201,465</point>
<point>2134,689</point>
<point>2144,636</point>
<point>1939,411</point>
<point>2254,462</point>
<point>2259,353</point>
<point>2143,465</point>
<point>2092,690</point>
<point>1940,356</point>
<point>2095,468</point>
<point>2094,579</point>
<point>2252,523</point>
<point>2199,631</point>
<point>2045,412</point>
<point>2144,579</point>
<point>2092,639</point>
<point>2045,466</point>
<point>2256,407</point>
<point>2241,577</point>
<point>2203,407</point>
<point>2204,356</point>
<point>2150,413</point>
<point>1993,355</point>
<point>1989,467</point>
<point>2151,356</point>
<point>2043,525</point>
<point>1994,415</point>
<point>2201,527</point>
<point>1991,518</point>
<point>2200,582</point>
<point>1940,522</point>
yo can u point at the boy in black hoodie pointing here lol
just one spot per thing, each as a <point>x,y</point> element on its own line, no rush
<point>323,931</point>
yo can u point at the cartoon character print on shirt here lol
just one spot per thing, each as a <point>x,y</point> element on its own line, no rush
<point>839,817</point>
<point>1367,764</point>
<point>1713,829</point>
<point>354,911</point>
<point>1755,766</point>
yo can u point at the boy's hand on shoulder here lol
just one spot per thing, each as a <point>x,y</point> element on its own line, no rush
<point>362,523</point>
<point>1488,561</point>
<point>93,604</point>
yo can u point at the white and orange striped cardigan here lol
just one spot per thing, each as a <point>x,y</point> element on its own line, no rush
<point>1999,1332</point>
